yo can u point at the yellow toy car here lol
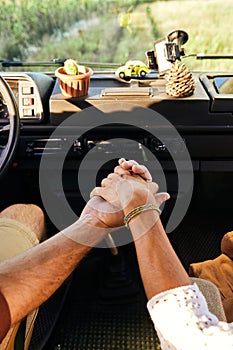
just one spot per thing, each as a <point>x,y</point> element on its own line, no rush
<point>131,68</point>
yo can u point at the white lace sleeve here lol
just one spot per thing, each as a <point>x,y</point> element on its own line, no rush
<point>182,321</point>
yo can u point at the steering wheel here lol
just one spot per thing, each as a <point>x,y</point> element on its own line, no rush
<point>7,151</point>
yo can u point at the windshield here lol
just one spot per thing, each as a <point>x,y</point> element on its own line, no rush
<point>108,33</point>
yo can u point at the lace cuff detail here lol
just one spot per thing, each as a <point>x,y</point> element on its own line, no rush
<point>183,321</point>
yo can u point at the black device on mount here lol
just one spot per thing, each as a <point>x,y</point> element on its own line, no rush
<point>167,50</point>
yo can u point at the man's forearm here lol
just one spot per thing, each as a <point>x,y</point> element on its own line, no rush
<point>30,278</point>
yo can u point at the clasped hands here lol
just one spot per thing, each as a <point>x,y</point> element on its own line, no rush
<point>128,187</point>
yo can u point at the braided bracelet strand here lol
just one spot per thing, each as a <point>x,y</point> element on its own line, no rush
<point>139,210</point>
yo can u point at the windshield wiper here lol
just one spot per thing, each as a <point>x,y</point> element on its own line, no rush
<point>9,63</point>
<point>55,62</point>
<point>201,56</point>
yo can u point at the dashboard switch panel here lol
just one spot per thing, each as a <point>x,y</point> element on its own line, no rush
<point>31,90</point>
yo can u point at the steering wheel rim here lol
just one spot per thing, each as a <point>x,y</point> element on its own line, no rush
<point>8,152</point>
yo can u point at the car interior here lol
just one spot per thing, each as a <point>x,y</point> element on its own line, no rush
<point>55,149</point>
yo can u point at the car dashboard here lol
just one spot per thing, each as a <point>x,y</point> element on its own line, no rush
<point>51,122</point>
<point>204,120</point>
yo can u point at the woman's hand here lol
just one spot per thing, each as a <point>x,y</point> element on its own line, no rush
<point>132,167</point>
<point>131,183</point>
<point>112,186</point>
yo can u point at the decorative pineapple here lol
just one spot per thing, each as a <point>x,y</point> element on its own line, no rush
<point>180,82</point>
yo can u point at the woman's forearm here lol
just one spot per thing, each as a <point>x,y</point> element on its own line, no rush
<point>159,265</point>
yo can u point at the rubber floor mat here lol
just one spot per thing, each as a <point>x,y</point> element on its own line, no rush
<point>107,330</point>
<point>105,310</point>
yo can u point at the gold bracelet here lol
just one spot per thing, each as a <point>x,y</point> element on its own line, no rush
<point>139,210</point>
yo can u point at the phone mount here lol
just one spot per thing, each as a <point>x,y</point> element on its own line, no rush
<point>166,51</point>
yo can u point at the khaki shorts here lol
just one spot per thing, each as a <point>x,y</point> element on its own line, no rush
<point>16,238</point>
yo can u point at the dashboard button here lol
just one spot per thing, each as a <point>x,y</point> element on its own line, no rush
<point>28,101</point>
<point>27,90</point>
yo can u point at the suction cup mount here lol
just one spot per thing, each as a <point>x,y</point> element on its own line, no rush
<point>179,38</point>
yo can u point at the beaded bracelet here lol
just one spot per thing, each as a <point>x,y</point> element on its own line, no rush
<point>139,210</point>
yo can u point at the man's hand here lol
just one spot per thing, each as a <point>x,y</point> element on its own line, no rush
<point>104,214</point>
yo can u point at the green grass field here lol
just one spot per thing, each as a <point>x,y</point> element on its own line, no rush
<point>116,31</point>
